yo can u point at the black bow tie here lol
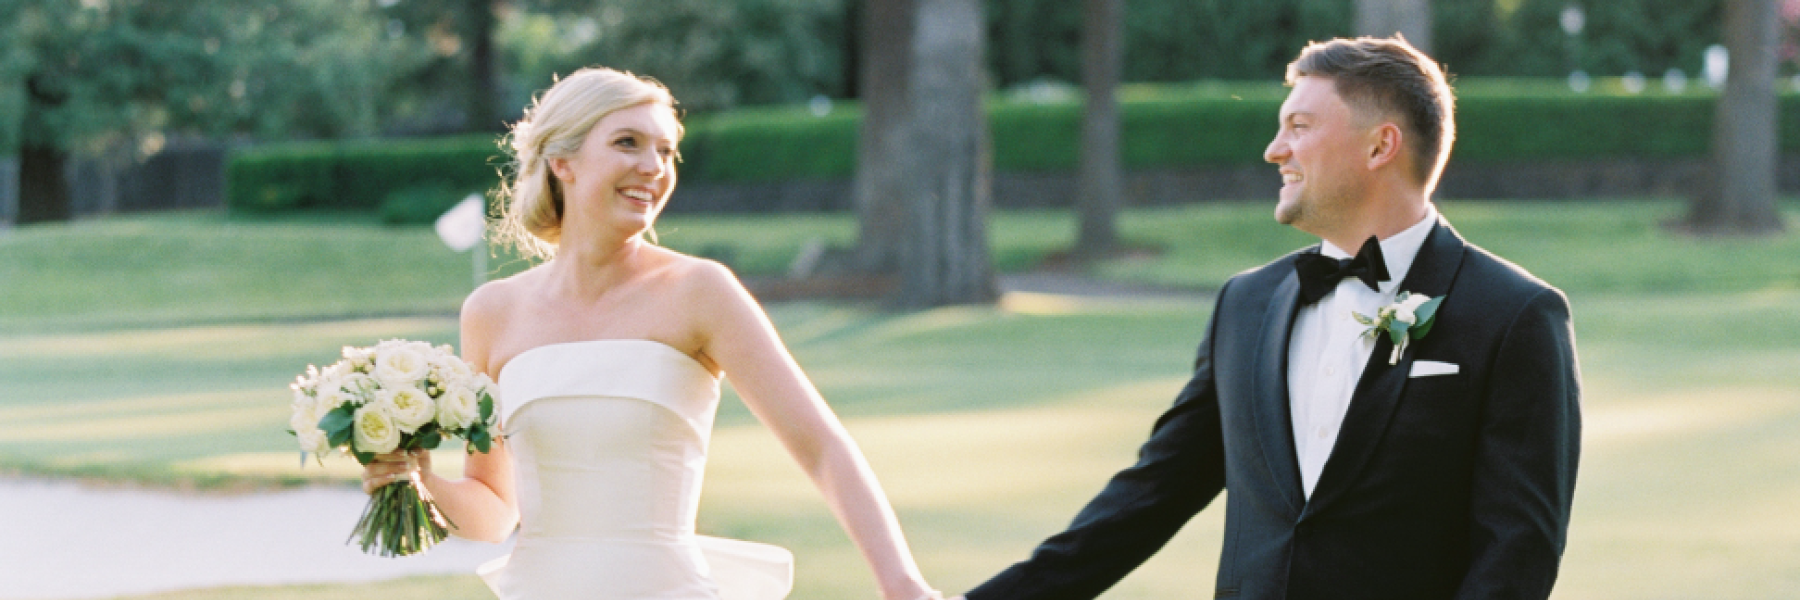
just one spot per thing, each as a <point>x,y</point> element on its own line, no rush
<point>1319,274</point>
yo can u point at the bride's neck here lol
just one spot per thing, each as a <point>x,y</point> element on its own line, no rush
<point>588,270</point>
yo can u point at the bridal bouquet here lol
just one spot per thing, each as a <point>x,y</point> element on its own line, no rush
<point>398,395</point>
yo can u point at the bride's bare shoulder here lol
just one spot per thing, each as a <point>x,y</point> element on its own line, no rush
<point>496,297</point>
<point>698,278</point>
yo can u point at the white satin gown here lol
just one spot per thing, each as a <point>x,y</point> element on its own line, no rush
<point>608,441</point>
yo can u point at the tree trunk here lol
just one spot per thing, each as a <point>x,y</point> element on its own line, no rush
<point>1384,18</point>
<point>947,162</point>
<point>1101,179</point>
<point>1740,196</point>
<point>884,84</point>
<point>43,191</point>
<point>484,85</point>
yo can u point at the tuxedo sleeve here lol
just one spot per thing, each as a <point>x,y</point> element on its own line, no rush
<point>1524,478</point>
<point>1179,471</point>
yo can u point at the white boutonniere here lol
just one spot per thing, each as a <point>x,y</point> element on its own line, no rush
<point>1408,318</point>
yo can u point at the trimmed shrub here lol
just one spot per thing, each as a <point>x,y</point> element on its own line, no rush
<point>355,175</point>
<point>420,205</point>
<point>770,144</point>
<point>1164,127</point>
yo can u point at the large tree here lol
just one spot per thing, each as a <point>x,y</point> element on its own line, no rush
<point>1739,196</point>
<point>1384,18</point>
<point>1100,189</point>
<point>111,74</point>
<point>946,162</point>
<point>878,189</point>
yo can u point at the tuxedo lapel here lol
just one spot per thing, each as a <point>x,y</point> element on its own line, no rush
<point>1274,424</point>
<point>1378,391</point>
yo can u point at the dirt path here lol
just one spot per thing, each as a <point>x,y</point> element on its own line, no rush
<point>61,540</point>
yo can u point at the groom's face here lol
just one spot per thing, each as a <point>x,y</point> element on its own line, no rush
<point>1317,148</point>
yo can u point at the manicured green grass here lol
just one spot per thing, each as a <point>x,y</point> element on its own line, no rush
<point>988,426</point>
<point>205,268</point>
<point>1615,246</point>
<point>201,268</point>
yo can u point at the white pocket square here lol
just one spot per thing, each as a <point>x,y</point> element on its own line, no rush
<point>1427,368</point>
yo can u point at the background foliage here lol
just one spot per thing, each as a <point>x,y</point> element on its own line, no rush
<point>1164,126</point>
<point>141,71</point>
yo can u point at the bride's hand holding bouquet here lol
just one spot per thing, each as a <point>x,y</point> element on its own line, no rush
<point>388,405</point>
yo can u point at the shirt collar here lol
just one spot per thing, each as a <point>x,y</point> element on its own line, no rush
<point>1398,250</point>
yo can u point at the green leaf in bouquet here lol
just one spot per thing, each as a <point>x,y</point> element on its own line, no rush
<point>479,439</point>
<point>429,437</point>
<point>363,457</point>
<point>487,406</point>
<point>338,424</point>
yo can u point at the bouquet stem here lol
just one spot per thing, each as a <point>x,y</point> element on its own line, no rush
<point>400,520</point>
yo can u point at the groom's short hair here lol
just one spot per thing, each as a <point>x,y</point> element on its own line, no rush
<point>1391,77</point>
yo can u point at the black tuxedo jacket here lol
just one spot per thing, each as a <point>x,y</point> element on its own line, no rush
<point>1439,487</point>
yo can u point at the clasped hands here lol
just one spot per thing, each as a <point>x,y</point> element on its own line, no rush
<point>394,466</point>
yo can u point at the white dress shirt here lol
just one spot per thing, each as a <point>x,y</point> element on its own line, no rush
<point>1327,353</point>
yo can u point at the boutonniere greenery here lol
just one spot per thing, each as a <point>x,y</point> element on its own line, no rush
<point>1408,318</point>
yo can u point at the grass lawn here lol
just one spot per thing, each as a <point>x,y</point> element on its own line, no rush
<point>988,426</point>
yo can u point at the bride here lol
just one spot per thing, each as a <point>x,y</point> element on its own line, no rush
<point>608,357</point>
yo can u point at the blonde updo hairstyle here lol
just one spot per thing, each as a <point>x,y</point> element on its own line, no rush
<point>530,197</point>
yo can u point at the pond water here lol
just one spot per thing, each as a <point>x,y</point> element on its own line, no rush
<point>65,540</point>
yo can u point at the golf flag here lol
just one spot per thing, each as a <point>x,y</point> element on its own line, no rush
<point>461,226</point>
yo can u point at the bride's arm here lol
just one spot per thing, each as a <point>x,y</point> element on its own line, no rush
<point>738,336</point>
<point>481,504</point>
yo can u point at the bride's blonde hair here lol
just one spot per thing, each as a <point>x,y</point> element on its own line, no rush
<point>530,200</point>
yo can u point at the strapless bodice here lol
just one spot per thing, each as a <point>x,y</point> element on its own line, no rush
<point>608,441</point>
<point>608,438</point>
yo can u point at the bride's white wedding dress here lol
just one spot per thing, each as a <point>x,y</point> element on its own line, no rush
<point>608,441</point>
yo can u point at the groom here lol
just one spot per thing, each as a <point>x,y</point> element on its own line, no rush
<point>1443,470</point>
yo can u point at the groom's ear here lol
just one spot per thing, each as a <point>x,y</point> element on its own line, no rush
<point>1385,144</point>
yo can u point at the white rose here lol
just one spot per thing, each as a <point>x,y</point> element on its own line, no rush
<point>360,386</point>
<point>1404,312</point>
<point>400,366</point>
<point>313,441</point>
<point>409,405</point>
<point>359,359</point>
<point>336,371</point>
<point>374,430</point>
<point>330,399</point>
<point>458,408</point>
<point>306,413</point>
<point>452,370</point>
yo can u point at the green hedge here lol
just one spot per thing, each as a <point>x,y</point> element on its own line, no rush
<point>1164,127</point>
<point>356,175</point>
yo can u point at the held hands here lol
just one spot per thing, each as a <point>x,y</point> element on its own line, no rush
<point>394,466</point>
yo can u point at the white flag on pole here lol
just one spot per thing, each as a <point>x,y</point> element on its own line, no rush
<point>461,226</point>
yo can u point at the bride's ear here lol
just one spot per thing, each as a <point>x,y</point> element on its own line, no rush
<point>559,167</point>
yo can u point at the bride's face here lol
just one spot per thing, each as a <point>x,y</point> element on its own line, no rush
<point>623,173</point>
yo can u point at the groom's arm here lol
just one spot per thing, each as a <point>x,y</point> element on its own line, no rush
<point>1179,470</point>
<point>1524,479</point>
